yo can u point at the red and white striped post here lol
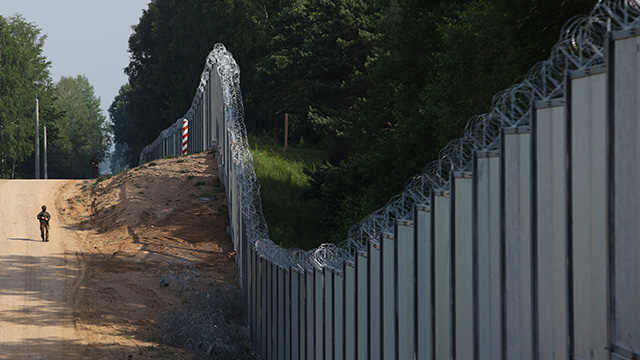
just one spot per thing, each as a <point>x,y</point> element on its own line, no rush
<point>185,135</point>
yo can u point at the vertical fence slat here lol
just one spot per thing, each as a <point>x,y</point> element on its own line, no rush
<point>362,322</point>
<point>404,258</point>
<point>310,314</point>
<point>287,296</point>
<point>350,298</point>
<point>263,307</point>
<point>281,296</point>
<point>442,273</point>
<point>375,301</point>
<point>589,214</point>
<point>328,313</point>
<point>389,310</point>
<point>424,292</point>
<point>463,265</point>
<point>296,329</point>
<point>487,222</point>
<point>339,299</point>
<point>625,191</point>
<point>550,226</point>
<point>318,279</point>
<point>517,243</point>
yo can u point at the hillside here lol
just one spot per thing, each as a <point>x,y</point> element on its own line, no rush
<point>152,237</point>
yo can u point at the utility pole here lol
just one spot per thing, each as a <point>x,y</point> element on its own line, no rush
<point>46,175</point>
<point>37,140</point>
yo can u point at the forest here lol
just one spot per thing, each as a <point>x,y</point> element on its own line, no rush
<point>380,85</point>
<point>68,109</point>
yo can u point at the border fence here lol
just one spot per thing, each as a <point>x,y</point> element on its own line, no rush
<point>520,242</point>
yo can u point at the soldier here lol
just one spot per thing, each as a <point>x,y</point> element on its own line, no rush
<point>94,166</point>
<point>44,218</point>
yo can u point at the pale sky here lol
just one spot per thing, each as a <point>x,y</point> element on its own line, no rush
<point>84,37</point>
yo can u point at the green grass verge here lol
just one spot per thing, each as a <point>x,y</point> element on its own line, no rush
<point>292,220</point>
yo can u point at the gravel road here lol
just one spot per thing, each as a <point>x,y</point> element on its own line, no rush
<point>38,280</point>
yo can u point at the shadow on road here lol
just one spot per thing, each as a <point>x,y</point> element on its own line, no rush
<point>41,348</point>
<point>24,239</point>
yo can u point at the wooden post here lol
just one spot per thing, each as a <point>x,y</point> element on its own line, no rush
<point>286,130</point>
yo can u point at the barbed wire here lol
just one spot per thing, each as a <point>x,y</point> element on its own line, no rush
<point>582,44</point>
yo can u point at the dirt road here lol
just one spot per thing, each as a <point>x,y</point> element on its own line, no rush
<point>38,280</point>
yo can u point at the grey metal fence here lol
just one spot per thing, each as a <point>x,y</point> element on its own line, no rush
<point>520,242</point>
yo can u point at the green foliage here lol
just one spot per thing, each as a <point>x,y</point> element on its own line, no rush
<point>293,219</point>
<point>167,50</point>
<point>314,66</point>
<point>81,130</point>
<point>24,75</point>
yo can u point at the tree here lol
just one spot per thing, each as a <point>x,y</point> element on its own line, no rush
<point>121,123</point>
<point>24,75</point>
<point>81,131</point>
<point>315,65</point>
<point>168,48</point>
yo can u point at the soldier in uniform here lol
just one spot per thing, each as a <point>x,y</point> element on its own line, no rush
<point>44,218</point>
<point>94,166</point>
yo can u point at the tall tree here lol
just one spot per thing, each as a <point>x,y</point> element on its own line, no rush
<point>24,75</point>
<point>121,123</point>
<point>81,131</point>
<point>168,48</point>
<point>315,65</point>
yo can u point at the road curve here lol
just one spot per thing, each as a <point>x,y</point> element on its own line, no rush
<point>38,280</point>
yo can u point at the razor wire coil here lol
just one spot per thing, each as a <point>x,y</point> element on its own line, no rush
<point>582,44</point>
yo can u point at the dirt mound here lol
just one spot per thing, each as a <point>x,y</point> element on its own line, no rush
<point>146,234</point>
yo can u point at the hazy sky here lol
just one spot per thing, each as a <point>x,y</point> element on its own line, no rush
<point>84,37</point>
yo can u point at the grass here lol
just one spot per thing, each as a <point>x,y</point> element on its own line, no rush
<point>292,220</point>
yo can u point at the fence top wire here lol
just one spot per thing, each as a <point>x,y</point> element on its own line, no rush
<point>582,44</point>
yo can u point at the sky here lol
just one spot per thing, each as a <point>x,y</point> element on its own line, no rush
<point>84,37</point>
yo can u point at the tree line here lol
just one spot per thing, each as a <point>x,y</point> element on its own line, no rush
<point>383,85</point>
<point>69,110</point>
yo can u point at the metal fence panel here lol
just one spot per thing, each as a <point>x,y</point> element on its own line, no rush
<point>310,314</point>
<point>589,212</point>
<point>626,198</point>
<point>389,311</point>
<point>287,297</point>
<point>318,279</point>
<point>272,310</point>
<point>302,308</point>
<point>375,302</point>
<point>424,283</point>
<point>442,271</point>
<point>463,265</point>
<point>263,307</point>
<point>362,296</point>
<point>489,273</point>
<point>405,289</point>
<point>328,314</point>
<point>517,244</point>
<point>549,131</point>
<point>338,315</point>
<point>280,298</point>
<point>350,310</point>
<point>296,291</point>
